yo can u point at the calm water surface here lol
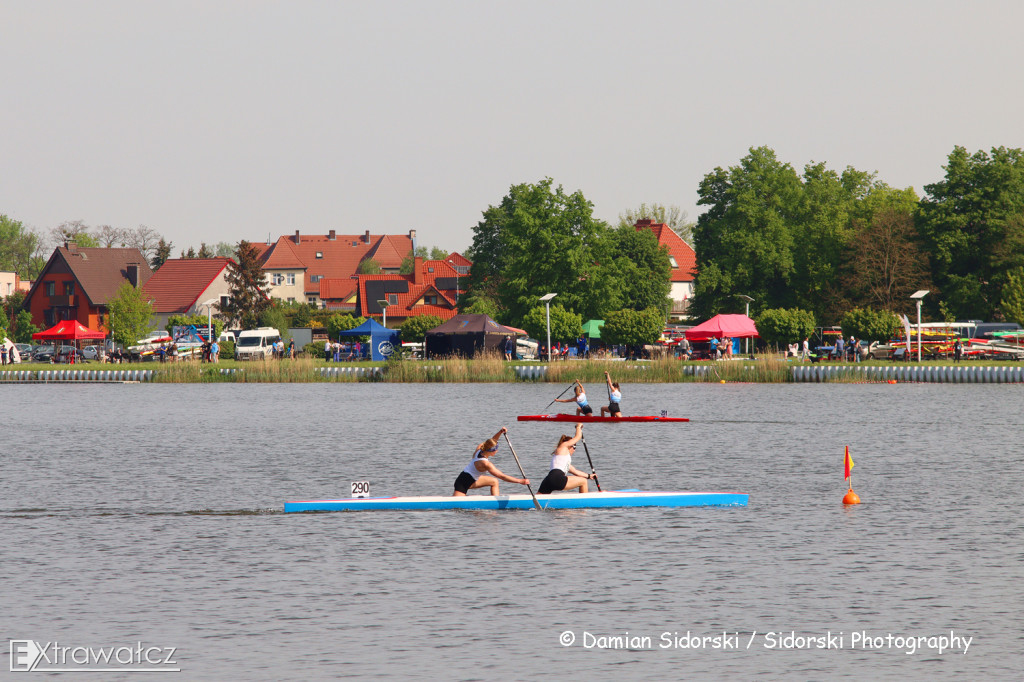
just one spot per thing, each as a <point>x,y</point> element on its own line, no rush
<point>153,513</point>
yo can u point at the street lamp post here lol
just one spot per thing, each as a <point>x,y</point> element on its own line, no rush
<point>547,306</point>
<point>384,308</point>
<point>209,315</point>
<point>748,299</point>
<point>917,296</point>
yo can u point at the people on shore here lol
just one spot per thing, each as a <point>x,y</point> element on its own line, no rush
<point>614,398</point>
<point>480,473</point>
<point>580,398</point>
<point>563,475</point>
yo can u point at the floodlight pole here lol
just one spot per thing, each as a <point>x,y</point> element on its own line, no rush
<point>384,309</point>
<point>917,296</point>
<point>746,342</point>
<point>547,308</point>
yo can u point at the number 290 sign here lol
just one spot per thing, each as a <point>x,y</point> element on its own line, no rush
<point>360,488</point>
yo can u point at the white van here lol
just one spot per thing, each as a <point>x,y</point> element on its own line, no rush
<point>256,344</point>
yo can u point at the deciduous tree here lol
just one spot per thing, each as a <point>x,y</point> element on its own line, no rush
<point>130,315</point>
<point>247,284</point>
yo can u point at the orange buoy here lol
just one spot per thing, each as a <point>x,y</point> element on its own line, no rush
<point>851,497</point>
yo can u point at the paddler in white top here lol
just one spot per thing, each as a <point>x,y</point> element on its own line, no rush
<point>614,398</point>
<point>563,475</point>
<point>480,473</point>
<point>580,399</point>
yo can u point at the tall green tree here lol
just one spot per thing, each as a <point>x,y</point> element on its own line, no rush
<point>642,267</point>
<point>247,283</point>
<point>778,326</point>
<point>130,315</point>
<point>540,239</point>
<point>745,240</point>
<point>18,247</point>
<point>967,219</point>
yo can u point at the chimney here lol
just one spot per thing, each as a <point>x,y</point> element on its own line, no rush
<point>417,270</point>
<point>133,274</point>
<point>412,238</point>
<point>72,247</point>
<point>330,235</point>
<point>296,237</point>
<point>646,222</point>
<point>366,237</point>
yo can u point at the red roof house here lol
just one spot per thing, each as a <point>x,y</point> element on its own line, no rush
<point>683,259</point>
<point>432,289</point>
<point>77,283</point>
<point>296,265</point>
<point>184,286</point>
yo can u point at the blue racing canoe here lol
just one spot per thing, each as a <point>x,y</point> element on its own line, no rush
<point>613,498</point>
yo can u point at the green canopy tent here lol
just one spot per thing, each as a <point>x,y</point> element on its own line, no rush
<point>592,328</point>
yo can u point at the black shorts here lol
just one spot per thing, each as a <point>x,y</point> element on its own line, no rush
<point>464,482</point>
<point>555,480</point>
<point>613,408</point>
<point>586,409</point>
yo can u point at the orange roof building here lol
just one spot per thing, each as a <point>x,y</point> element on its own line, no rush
<point>183,286</point>
<point>683,260</point>
<point>298,264</point>
<point>432,289</point>
<point>77,283</point>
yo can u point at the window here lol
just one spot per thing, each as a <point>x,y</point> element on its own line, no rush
<point>278,279</point>
<point>51,289</point>
<point>291,279</point>
<point>430,269</point>
<point>672,261</point>
<point>225,301</point>
<point>319,254</point>
<point>69,288</point>
<point>430,300</point>
<point>315,278</point>
<point>393,299</point>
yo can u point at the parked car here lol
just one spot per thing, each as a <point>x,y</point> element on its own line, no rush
<point>25,351</point>
<point>42,354</point>
<point>94,352</point>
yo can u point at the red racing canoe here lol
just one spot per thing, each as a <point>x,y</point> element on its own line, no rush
<point>591,418</point>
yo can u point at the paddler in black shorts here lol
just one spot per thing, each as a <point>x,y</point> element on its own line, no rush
<point>480,473</point>
<point>563,475</point>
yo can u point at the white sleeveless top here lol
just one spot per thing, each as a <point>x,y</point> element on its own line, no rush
<point>471,467</point>
<point>581,399</point>
<point>616,396</point>
<point>561,462</point>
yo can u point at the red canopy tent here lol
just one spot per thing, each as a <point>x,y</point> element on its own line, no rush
<point>733,326</point>
<point>68,330</point>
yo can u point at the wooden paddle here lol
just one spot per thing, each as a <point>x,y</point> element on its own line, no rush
<point>594,473</point>
<point>552,402</point>
<point>535,502</point>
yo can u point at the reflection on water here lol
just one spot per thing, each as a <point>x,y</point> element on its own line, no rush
<point>154,512</point>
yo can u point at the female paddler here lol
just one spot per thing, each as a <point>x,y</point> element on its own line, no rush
<point>563,475</point>
<point>480,473</point>
<point>614,398</point>
<point>582,407</point>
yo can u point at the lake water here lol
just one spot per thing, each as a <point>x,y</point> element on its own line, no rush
<point>152,514</point>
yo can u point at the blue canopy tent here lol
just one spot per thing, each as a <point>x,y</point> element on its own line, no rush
<point>383,341</point>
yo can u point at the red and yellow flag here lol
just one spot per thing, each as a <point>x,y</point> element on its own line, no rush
<point>848,462</point>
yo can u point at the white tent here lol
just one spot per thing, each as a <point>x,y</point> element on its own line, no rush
<point>13,355</point>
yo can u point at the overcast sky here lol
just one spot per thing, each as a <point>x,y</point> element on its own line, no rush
<point>219,121</point>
